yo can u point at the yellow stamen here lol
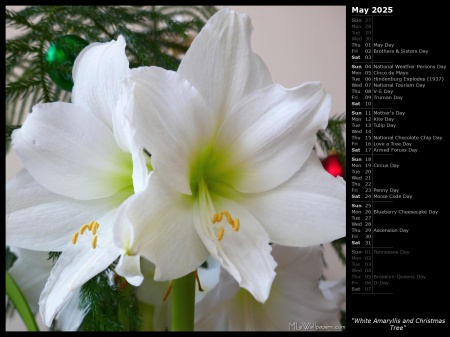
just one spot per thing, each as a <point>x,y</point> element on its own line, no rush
<point>229,218</point>
<point>220,234</point>
<point>236,224</point>
<point>83,228</point>
<point>91,224</point>
<point>95,227</point>
<point>219,216</point>
<point>74,238</point>
<point>94,242</point>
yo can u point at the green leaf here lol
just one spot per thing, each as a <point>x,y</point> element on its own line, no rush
<point>16,296</point>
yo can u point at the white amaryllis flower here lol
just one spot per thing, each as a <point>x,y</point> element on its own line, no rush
<point>80,163</point>
<point>30,271</point>
<point>295,301</point>
<point>233,162</point>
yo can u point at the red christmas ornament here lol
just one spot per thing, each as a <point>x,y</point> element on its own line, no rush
<point>333,166</point>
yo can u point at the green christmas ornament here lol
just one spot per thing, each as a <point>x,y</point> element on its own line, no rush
<point>61,55</point>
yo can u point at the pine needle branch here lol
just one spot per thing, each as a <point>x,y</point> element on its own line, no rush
<point>103,301</point>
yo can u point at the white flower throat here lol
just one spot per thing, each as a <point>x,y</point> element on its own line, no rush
<point>92,227</point>
<point>208,175</point>
<point>218,220</point>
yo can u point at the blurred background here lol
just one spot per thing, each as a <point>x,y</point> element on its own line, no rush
<point>298,44</point>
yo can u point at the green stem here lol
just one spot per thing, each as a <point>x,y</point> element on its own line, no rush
<point>183,303</point>
<point>16,296</point>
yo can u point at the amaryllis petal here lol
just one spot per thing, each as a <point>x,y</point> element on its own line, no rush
<point>295,298</point>
<point>159,218</point>
<point>151,291</point>
<point>130,268</point>
<point>212,312</point>
<point>245,252</point>
<point>124,135</point>
<point>141,168</point>
<point>123,132</point>
<point>169,128</point>
<point>151,296</point>
<point>97,74</point>
<point>334,290</point>
<point>71,315</point>
<point>30,271</point>
<point>267,140</point>
<point>221,64</point>
<point>245,314</point>
<point>76,265</point>
<point>71,152</point>
<point>53,219</point>
<point>308,209</point>
<point>208,276</point>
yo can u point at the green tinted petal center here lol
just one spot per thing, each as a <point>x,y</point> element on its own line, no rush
<point>211,166</point>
